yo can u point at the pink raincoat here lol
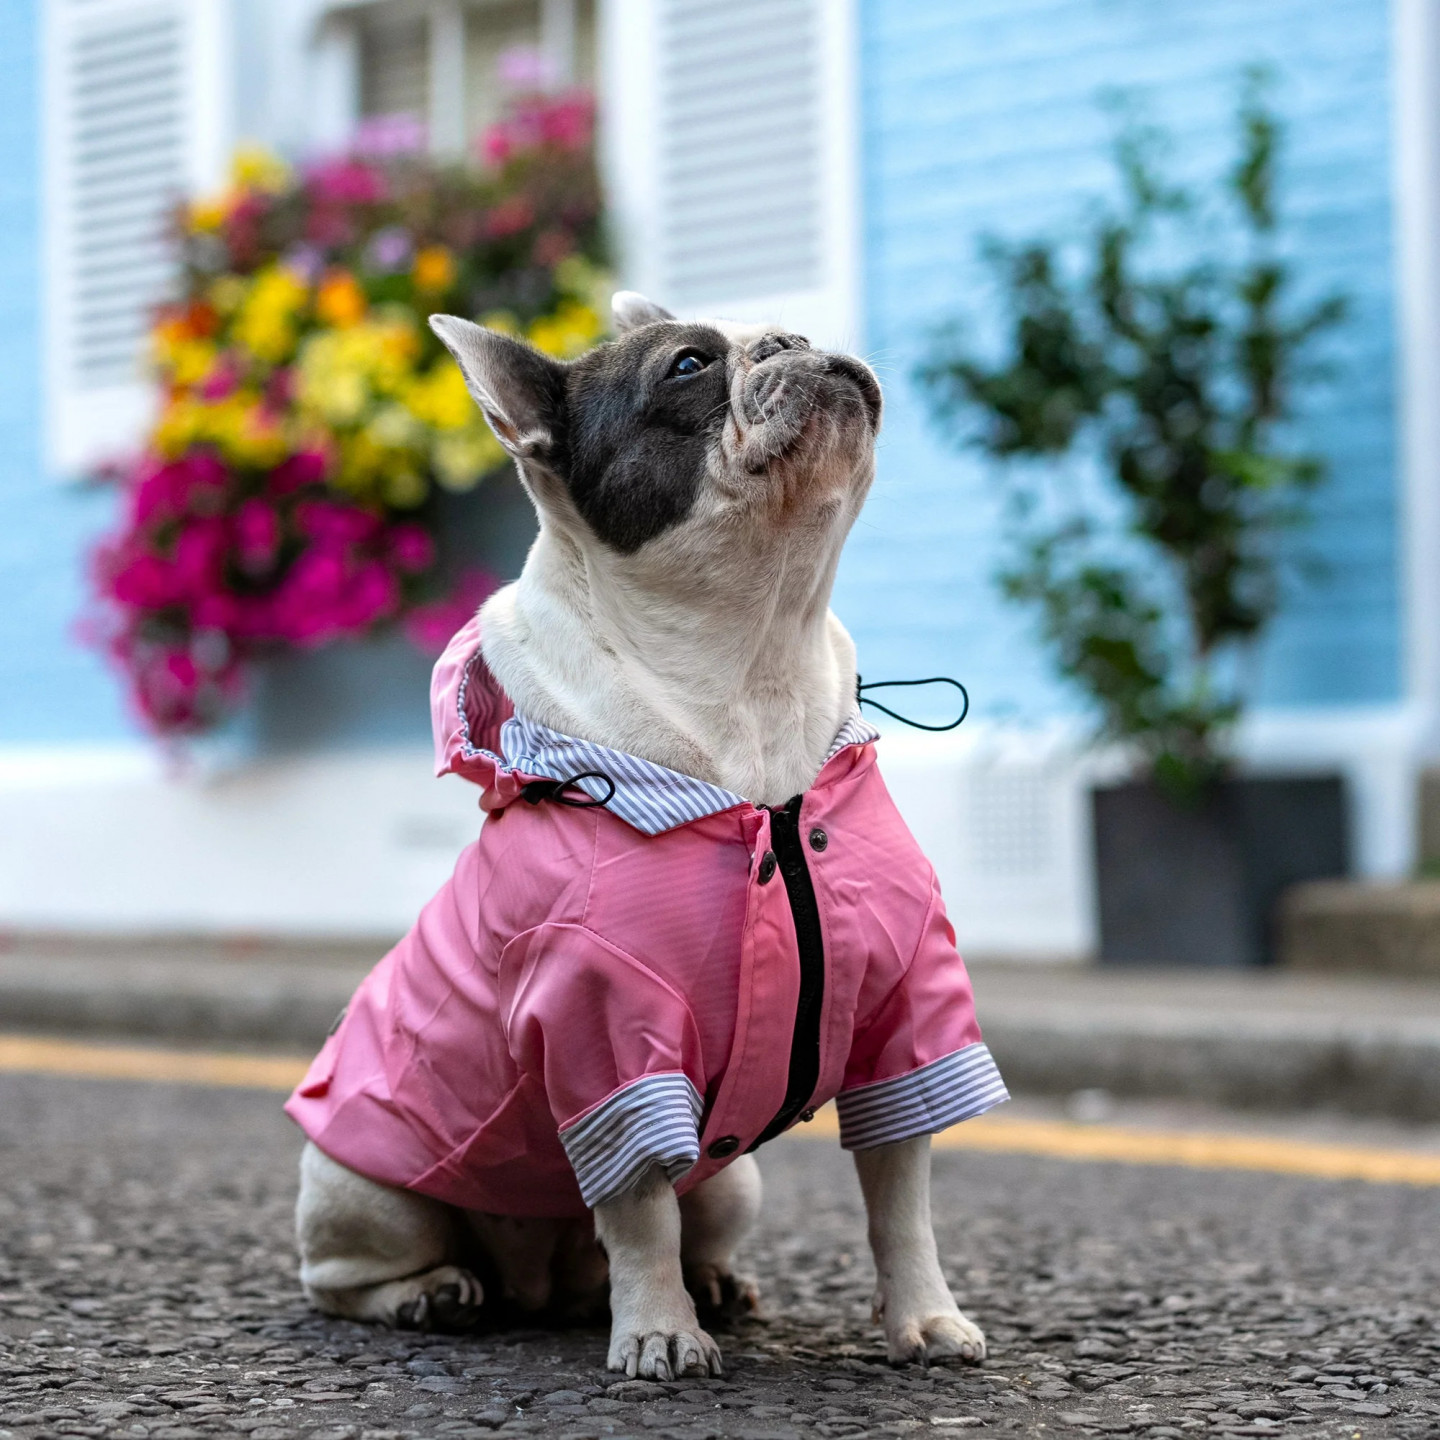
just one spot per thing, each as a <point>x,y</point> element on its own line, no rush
<point>669,977</point>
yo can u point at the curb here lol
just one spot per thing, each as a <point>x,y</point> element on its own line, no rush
<point>1364,1072</point>
<point>1258,1040</point>
<point>229,1003</point>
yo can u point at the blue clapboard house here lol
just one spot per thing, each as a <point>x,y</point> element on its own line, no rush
<point>827,163</point>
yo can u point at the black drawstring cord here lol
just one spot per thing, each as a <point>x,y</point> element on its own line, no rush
<point>537,790</point>
<point>864,699</point>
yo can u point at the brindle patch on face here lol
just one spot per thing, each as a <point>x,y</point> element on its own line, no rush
<point>639,434</point>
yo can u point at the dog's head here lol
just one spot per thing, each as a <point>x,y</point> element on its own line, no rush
<point>679,446</point>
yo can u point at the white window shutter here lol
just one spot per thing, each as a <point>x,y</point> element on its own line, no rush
<point>731,157</point>
<point>136,101</point>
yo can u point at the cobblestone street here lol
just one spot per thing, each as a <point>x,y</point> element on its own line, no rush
<point>147,1288</point>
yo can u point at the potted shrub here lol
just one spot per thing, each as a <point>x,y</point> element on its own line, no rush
<point>1140,413</point>
<point>304,482</point>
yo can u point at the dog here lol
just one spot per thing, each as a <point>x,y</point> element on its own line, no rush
<point>553,1088</point>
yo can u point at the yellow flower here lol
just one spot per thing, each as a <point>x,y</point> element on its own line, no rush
<point>440,398</point>
<point>226,294</point>
<point>340,301</point>
<point>179,426</point>
<point>210,214</point>
<point>265,324</point>
<point>504,321</point>
<point>577,277</point>
<point>256,168</point>
<point>190,361</point>
<point>434,269</point>
<point>462,458</point>
<point>341,374</point>
<point>569,332</point>
<point>403,487</point>
<point>395,428</point>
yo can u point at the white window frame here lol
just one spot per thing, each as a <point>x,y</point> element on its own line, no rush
<point>337,64</point>
<point>830,312</point>
<point>84,426</point>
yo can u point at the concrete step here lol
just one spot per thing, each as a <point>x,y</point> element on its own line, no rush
<point>1263,1039</point>
<point>1337,926</point>
<point>239,993</point>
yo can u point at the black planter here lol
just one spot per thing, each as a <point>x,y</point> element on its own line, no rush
<point>1198,886</point>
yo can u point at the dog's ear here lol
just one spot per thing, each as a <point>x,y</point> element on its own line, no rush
<point>632,310</point>
<point>520,391</point>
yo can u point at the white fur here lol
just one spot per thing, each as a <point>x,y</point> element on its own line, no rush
<point>711,650</point>
<point>922,1321</point>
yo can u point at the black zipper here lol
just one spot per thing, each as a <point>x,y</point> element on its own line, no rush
<point>789,848</point>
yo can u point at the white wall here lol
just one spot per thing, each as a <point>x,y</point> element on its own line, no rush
<point>352,844</point>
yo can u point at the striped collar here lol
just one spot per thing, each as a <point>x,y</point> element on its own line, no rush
<point>648,796</point>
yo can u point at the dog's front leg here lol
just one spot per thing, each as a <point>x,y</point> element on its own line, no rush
<point>922,1321</point>
<point>653,1330</point>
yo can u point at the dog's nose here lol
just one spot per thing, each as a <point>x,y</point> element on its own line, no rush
<point>773,344</point>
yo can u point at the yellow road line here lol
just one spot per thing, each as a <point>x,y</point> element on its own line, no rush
<point>993,1134</point>
<point>1200,1150</point>
<point>36,1056</point>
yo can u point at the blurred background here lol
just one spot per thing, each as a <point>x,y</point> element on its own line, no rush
<point>1152,292</point>
<point>248,757</point>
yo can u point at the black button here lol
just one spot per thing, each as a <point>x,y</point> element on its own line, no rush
<point>806,1116</point>
<point>725,1145</point>
<point>767,873</point>
<point>818,839</point>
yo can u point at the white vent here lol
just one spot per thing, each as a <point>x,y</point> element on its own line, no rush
<point>124,133</point>
<point>1011,821</point>
<point>740,152</point>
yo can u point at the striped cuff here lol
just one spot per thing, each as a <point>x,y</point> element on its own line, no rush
<point>655,1121</point>
<point>956,1087</point>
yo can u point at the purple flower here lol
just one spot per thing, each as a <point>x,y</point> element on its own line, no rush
<point>390,249</point>
<point>306,262</point>
<point>382,135</point>
<point>525,67</point>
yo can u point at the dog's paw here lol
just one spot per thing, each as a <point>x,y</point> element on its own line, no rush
<point>446,1298</point>
<point>664,1352</point>
<point>919,1340</point>
<point>721,1297</point>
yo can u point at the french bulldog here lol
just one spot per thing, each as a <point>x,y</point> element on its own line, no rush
<point>695,483</point>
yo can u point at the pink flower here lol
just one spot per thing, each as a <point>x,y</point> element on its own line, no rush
<point>429,627</point>
<point>295,473</point>
<point>411,548</point>
<point>257,535</point>
<point>324,520</point>
<point>200,557</point>
<point>279,391</point>
<point>156,496</point>
<point>569,122</point>
<point>345,180</point>
<point>147,582</point>
<point>495,145</point>
<point>200,481</point>
<point>221,381</point>
<point>181,671</point>
<point>551,247</point>
<point>216,611</point>
<point>372,594</point>
<point>509,217</point>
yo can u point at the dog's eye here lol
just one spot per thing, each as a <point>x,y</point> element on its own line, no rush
<point>688,364</point>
